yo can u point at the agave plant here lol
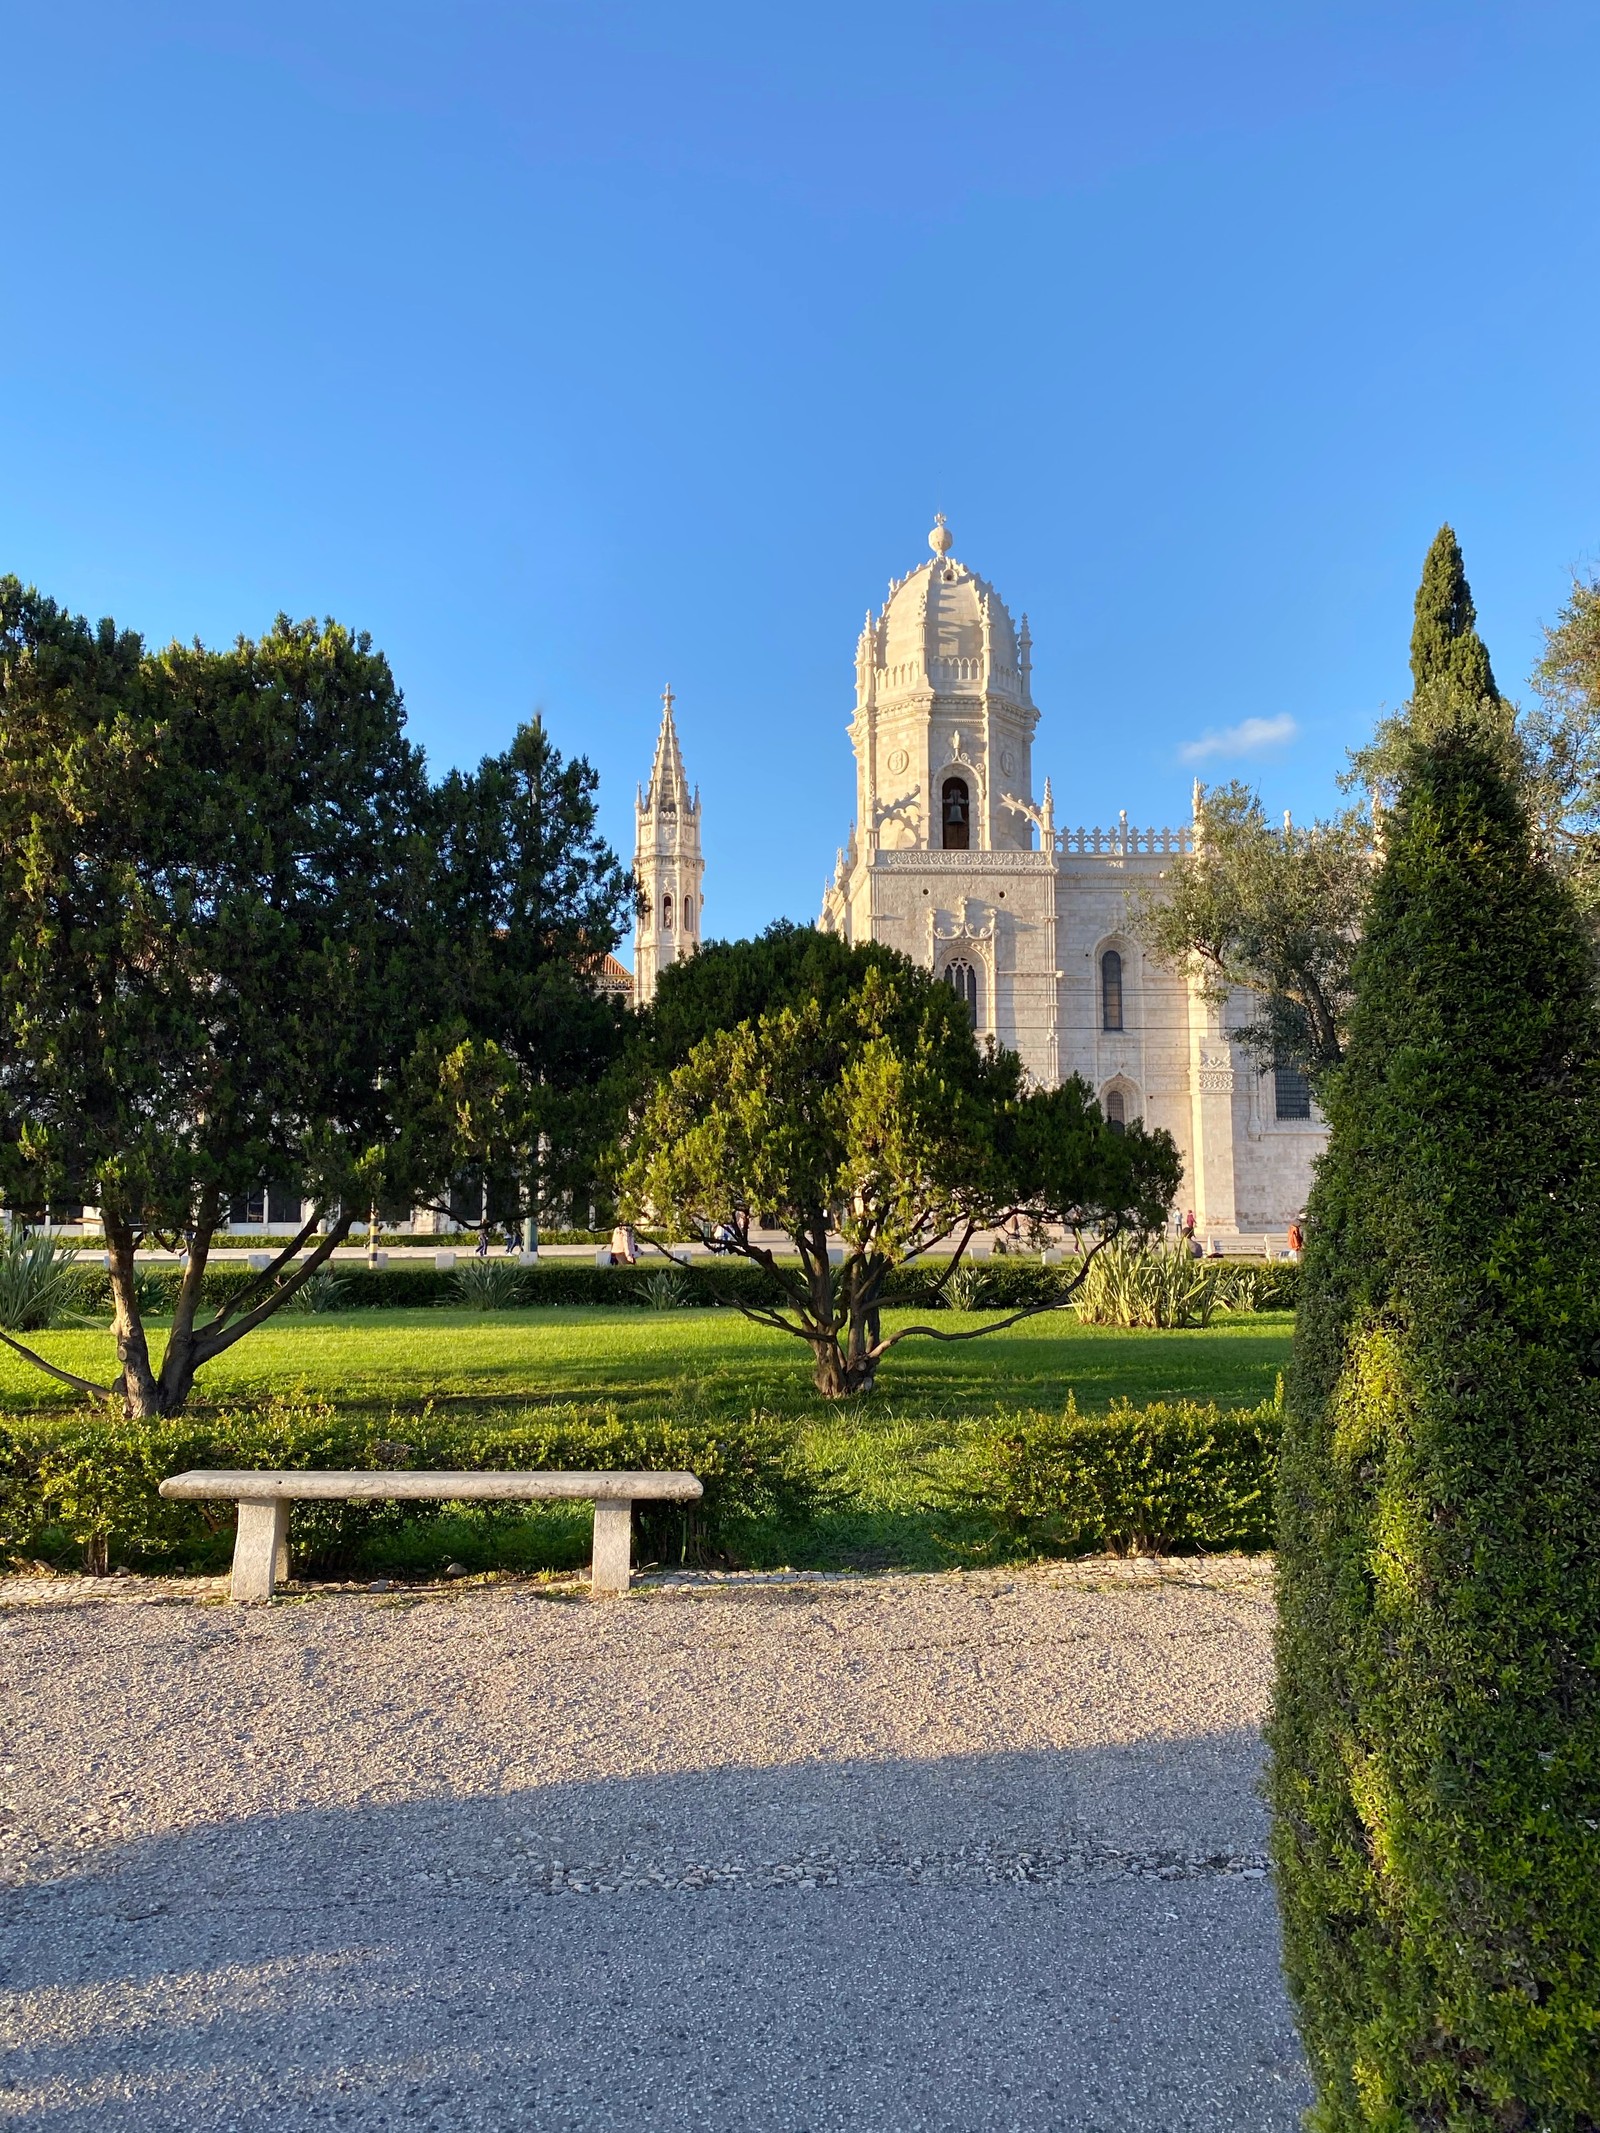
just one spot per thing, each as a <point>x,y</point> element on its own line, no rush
<point>1239,1288</point>
<point>1128,1284</point>
<point>321,1291</point>
<point>39,1284</point>
<point>488,1284</point>
<point>665,1291</point>
<point>965,1289</point>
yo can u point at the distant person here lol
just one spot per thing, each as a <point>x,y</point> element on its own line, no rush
<point>1297,1240</point>
<point>1187,1235</point>
<point>624,1245</point>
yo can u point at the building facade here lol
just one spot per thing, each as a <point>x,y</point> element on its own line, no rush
<point>955,860</point>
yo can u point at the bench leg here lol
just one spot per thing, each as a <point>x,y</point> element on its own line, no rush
<point>613,1548</point>
<point>260,1548</point>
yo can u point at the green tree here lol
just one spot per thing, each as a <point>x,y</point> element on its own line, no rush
<point>241,939</point>
<point>529,900</point>
<point>875,1117</point>
<point>1445,645</point>
<point>1451,678</point>
<point>1435,1740</point>
<point>729,982</point>
<point>1274,912</point>
<point>208,925</point>
<point>1561,736</point>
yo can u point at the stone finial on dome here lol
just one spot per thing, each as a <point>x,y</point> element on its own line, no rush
<point>941,538</point>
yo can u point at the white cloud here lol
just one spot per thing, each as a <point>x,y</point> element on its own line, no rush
<point>1249,737</point>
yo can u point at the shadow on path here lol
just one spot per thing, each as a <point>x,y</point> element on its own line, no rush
<point>1075,1939</point>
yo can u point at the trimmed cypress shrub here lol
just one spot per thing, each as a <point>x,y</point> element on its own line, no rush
<point>1435,1742</point>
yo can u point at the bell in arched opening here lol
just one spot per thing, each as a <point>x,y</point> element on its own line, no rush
<point>956,815</point>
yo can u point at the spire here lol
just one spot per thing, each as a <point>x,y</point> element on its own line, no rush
<point>667,864</point>
<point>668,787</point>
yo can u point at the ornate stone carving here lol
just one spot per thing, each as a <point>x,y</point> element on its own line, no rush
<point>942,862</point>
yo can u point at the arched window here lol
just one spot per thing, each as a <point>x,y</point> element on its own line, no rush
<point>956,815</point>
<point>962,979</point>
<point>666,911</point>
<point>1116,1111</point>
<point>1111,990</point>
<point>688,914</point>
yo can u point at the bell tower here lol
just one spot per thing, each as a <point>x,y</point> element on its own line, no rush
<point>666,863</point>
<point>944,716</point>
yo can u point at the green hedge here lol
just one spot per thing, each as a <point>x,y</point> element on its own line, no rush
<point>1007,1284</point>
<point>87,1483</point>
<point>1165,1480</point>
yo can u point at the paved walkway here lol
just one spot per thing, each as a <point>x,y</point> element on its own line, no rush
<point>969,1852</point>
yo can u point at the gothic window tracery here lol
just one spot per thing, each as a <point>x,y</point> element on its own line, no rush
<point>1116,1111</point>
<point>962,979</point>
<point>688,913</point>
<point>1111,990</point>
<point>956,815</point>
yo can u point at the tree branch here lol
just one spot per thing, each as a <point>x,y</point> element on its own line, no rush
<point>66,1377</point>
<point>267,1274</point>
<point>209,1341</point>
<point>1015,1318</point>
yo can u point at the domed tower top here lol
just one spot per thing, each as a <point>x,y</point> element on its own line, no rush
<point>944,724</point>
<point>944,631</point>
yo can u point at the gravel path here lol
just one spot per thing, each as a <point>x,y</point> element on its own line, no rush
<point>964,1852</point>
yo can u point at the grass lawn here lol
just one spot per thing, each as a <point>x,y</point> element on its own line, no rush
<point>890,1460</point>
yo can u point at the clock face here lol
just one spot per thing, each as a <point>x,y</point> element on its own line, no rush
<point>1008,761</point>
<point>899,760</point>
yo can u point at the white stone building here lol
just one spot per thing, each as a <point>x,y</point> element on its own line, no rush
<point>666,862</point>
<point>956,861</point>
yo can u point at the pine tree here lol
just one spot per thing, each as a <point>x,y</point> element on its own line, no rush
<point>1445,645</point>
<point>1436,1735</point>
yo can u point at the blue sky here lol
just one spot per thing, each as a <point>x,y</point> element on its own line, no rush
<point>575,349</point>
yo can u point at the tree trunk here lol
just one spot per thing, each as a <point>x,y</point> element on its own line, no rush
<point>136,1381</point>
<point>836,1377</point>
<point>181,1360</point>
<point>848,1367</point>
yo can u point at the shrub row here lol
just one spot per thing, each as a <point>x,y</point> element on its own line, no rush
<point>1166,1479</point>
<point>1003,1284</point>
<point>89,1481</point>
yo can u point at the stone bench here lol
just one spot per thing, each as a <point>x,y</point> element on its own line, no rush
<point>261,1549</point>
